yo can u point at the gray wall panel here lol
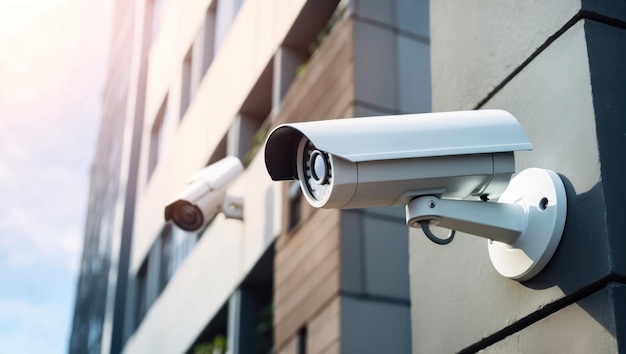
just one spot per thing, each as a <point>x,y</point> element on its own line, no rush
<point>375,66</point>
<point>413,75</point>
<point>374,327</point>
<point>374,254</point>
<point>407,11</point>
<point>386,258</point>
<point>455,285</point>
<point>607,59</point>
<point>583,327</point>
<point>476,44</point>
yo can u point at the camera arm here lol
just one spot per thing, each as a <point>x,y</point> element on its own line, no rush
<point>524,226</point>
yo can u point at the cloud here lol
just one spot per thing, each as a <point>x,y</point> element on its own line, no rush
<point>19,14</point>
<point>52,45</point>
<point>29,328</point>
<point>24,342</point>
<point>52,70</point>
<point>19,313</point>
<point>27,238</point>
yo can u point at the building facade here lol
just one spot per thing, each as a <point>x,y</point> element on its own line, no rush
<point>194,81</point>
<point>107,219</point>
<point>201,80</point>
<point>559,68</point>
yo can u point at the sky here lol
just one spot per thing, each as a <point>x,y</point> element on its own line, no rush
<point>53,56</point>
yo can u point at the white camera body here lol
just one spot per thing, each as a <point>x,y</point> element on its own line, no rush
<point>389,160</point>
<point>444,167</point>
<point>205,195</point>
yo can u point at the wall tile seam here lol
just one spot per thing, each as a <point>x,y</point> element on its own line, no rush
<point>395,30</point>
<point>577,17</point>
<point>581,15</point>
<point>373,215</point>
<point>607,20</point>
<point>375,107</point>
<point>376,298</point>
<point>544,312</point>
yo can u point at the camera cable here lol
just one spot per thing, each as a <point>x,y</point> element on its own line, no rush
<point>432,237</point>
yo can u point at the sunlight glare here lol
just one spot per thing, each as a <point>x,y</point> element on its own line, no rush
<point>16,15</point>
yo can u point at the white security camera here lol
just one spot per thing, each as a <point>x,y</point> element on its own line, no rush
<point>389,160</point>
<point>205,195</point>
<point>445,167</point>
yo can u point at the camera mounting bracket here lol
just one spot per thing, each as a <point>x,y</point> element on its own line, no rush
<point>232,207</point>
<point>524,226</point>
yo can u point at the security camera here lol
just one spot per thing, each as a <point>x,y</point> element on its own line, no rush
<point>205,195</point>
<point>446,168</point>
<point>389,160</point>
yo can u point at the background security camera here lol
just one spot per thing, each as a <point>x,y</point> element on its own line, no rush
<point>389,160</point>
<point>205,195</point>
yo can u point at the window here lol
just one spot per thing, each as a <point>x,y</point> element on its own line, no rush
<point>287,63</point>
<point>250,127</point>
<point>302,337</point>
<point>301,42</point>
<point>157,8</point>
<point>176,245</point>
<point>165,272</point>
<point>225,16</point>
<point>253,314</point>
<point>185,85</point>
<point>141,293</point>
<point>212,339</point>
<point>156,138</point>
<point>207,38</point>
<point>166,255</point>
<point>94,334</point>
<point>219,152</point>
<point>295,205</point>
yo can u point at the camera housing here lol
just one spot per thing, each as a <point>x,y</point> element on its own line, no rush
<point>205,195</point>
<point>389,160</point>
<point>444,167</point>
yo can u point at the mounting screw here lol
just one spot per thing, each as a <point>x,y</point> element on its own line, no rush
<point>543,204</point>
<point>432,204</point>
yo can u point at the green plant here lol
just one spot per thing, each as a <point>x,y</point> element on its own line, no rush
<point>215,346</point>
<point>256,142</point>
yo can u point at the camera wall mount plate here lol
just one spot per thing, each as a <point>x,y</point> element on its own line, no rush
<point>542,195</point>
<point>524,226</point>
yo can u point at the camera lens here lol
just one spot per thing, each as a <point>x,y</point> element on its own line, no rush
<point>319,167</point>
<point>187,216</point>
<point>317,171</point>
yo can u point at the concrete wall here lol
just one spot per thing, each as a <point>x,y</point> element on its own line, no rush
<point>559,68</point>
